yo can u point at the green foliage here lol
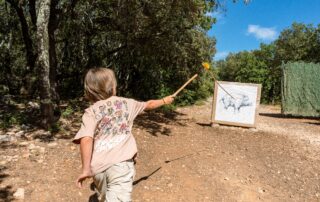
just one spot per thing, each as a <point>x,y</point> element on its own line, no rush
<point>9,119</point>
<point>55,128</point>
<point>153,46</point>
<point>246,67</point>
<point>12,60</point>
<point>167,108</point>
<point>298,43</point>
<point>67,112</point>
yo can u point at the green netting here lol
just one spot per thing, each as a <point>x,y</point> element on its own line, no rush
<point>301,89</point>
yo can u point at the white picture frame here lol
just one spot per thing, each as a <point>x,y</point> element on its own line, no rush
<point>236,103</point>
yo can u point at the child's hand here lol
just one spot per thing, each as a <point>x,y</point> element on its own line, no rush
<point>83,177</point>
<point>153,104</point>
<point>169,99</point>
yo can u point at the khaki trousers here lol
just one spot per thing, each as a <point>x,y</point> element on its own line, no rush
<point>115,183</point>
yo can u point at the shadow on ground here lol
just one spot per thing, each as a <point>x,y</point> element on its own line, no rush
<point>8,145</point>
<point>20,113</point>
<point>205,124</point>
<point>156,122</point>
<point>166,162</point>
<point>24,114</point>
<point>283,116</point>
<point>313,123</point>
<point>146,177</point>
<point>6,193</point>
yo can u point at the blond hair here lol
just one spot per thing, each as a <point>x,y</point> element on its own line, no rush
<point>99,84</point>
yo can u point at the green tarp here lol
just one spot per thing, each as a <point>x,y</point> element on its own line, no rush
<point>301,89</point>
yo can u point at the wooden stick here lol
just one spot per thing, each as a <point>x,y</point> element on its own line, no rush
<point>184,85</point>
<point>206,66</point>
<point>221,86</point>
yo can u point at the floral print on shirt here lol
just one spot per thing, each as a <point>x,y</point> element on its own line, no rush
<point>114,117</point>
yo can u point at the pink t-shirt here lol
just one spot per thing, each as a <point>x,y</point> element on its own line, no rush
<point>110,122</point>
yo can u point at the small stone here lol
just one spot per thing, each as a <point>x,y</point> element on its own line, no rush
<point>10,133</point>
<point>47,133</point>
<point>19,194</point>
<point>31,146</point>
<point>42,149</point>
<point>3,162</point>
<point>40,161</point>
<point>72,147</point>
<point>25,127</point>
<point>26,154</point>
<point>5,138</point>
<point>183,166</point>
<point>13,139</point>
<point>23,143</point>
<point>28,182</point>
<point>19,134</point>
<point>52,144</point>
<point>59,136</point>
<point>170,185</point>
<point>9,158</point>
<point>261,191</point>
<point>226,178</point>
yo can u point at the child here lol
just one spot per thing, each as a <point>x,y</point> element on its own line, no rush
<point>106,143</point>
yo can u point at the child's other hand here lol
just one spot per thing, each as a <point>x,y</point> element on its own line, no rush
<point>169,99</point>
<point>83,176</point>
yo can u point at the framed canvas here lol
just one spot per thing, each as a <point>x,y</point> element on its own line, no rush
<point>238,106</point>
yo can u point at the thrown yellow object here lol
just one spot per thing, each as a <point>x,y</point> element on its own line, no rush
<point>206,65</point>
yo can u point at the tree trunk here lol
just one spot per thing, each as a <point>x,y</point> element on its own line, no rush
<point>33,13</point>
<point>52,26</point>
<point>46,103</point>
<point>31,54</point>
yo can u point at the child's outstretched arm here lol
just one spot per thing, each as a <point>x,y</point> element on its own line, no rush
<point>86,144</point>
<point>153,104</point>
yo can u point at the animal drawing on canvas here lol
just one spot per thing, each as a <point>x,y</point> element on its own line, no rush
<point>236,103</point>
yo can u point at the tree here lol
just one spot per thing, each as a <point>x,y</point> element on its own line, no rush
<point>45,63</point>
<point>272,85</point>
<point>153,46</point>
<point>298,43</point>
<point>39,42</point>
<point>31,54</point>
<point>156,44</point>
<point>245,67</point>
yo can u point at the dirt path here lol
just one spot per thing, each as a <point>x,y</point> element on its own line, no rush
<point>182,158</point>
